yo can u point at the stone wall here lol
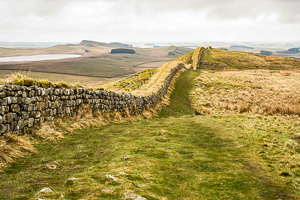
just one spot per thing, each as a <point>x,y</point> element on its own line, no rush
<point>22,108</point>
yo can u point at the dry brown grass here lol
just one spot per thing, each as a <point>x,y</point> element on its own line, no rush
<point>153,84</point>
<point>13,147</point>
<point>24,79</point>
<point>259,92</point>
<point>157,80</point>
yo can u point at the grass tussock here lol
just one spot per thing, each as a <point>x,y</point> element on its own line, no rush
<point>48,133</point>
<point>13,147</point>
<point>23,79</point>
<point>258,92</point>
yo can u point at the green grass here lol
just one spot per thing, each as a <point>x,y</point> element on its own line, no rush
<point>188,157</point>
<point>179,99</point>
<point>182,157</point>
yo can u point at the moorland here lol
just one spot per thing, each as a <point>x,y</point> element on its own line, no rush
<point>229,130</point>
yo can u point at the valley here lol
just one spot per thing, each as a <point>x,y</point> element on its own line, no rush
<point>94,66</point>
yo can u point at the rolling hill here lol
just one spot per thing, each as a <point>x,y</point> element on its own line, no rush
<point>96,64</point>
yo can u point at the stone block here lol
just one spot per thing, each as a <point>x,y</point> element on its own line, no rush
<point>2,94</point>
<point>27,100</point>
<point>41,106</point>
<point>37,114</point>
<point>3,128</point>
<point>8,118</point>
<point>15,108</point>
<point>30,122</point>
<point>4,102</point>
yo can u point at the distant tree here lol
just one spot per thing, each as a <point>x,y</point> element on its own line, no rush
<point>127,51</point>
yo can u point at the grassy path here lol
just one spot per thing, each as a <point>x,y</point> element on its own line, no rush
<point>179,100</point>
<point>181,157</point>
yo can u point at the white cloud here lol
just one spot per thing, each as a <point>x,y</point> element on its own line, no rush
<point>149,20</point>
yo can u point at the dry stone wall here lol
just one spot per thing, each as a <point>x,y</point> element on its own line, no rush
<point>22,108</point>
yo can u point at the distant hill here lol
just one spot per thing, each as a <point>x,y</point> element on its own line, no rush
<point>120,44</point>
<point>290,51</point>
<point>241,46</point>
<point>92,43</point>
<point>177,51</point>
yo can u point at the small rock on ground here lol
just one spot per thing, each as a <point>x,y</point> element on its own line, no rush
<point>111,177</point>
<point>134,196</point>
<point>46,190</point>
<point>108,191</point>
<point>51,166</point>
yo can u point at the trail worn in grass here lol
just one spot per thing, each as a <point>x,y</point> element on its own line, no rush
<point>181,157</point>
<point>179,99</point>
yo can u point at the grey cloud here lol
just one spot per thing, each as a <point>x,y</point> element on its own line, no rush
<point>288,11</point>
<point>41,8</point>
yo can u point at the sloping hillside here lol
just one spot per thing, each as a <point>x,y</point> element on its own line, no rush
<point>220,59</point>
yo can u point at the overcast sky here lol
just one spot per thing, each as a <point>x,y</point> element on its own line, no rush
<point>149,20</point>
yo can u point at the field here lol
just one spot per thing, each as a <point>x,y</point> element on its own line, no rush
<point>230,131</point>
<point>93,67</point>
<point>263,92</point>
